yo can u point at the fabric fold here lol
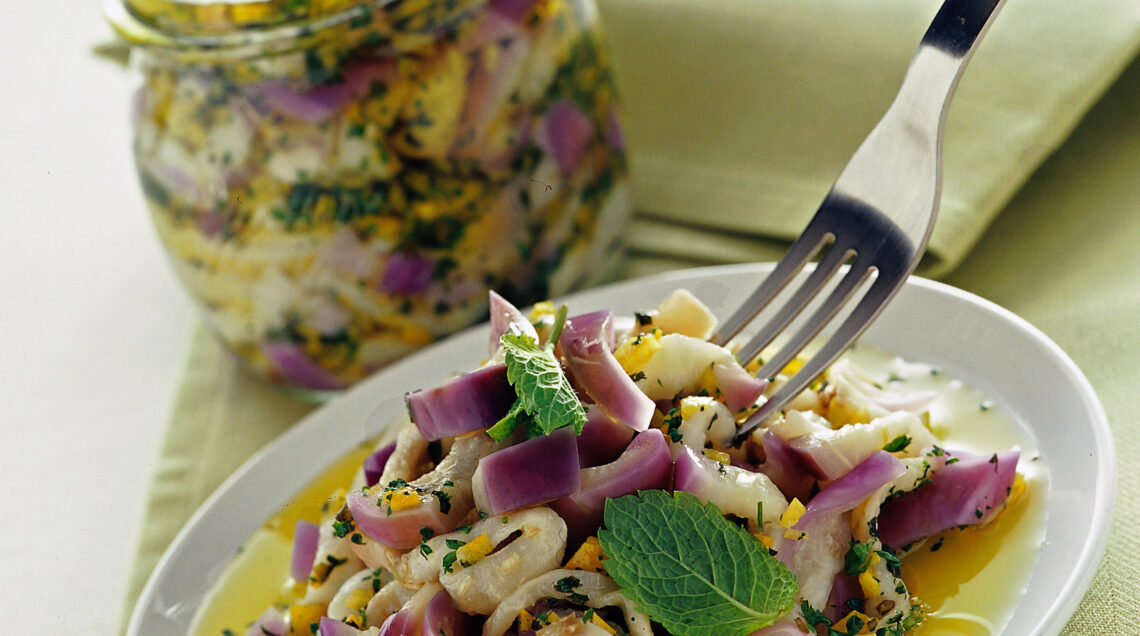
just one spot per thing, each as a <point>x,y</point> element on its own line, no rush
<point>741,114</point>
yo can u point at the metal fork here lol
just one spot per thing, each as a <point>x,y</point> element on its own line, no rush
<point>876,218</point>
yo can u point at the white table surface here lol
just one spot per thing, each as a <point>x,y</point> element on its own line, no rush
<point>93,326</point>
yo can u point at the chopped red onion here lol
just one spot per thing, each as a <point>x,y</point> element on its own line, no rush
<point>965,492</point>
<point>568,132</point>
<point>505,317</point>
<point>602,439</point>
<point>400,529</point>
<point>851,489</point>
<point>442,618</point>
<point>782,465</point>
<point>319,103</point>
<point>739,388</point>
<point>464,404</point>
<point>494,29</point>
<point>407,273</point>
<point>374,464</point>
<point>594,325</point>
<point>211,223</point>
<point>844,588</point>
<point>402,623</point>
<point>828,453</point>
<point>271,623</point>
<point>298,368</point>
<point>514,9</point>
<point>305,537</point>
<point>313,106</point>
<point>528,473</point>
<point>409,621</point>
<point>587,347</point>
<point>614,137</point>
<point>645,464</point>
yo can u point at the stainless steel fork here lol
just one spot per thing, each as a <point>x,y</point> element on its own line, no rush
<point>877,217</point>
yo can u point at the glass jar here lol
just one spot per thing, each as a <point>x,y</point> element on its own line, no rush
<point>339,182</point>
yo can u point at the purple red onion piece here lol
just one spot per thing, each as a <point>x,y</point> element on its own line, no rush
<point>312,106</point>
<point>442,618</point>
<point>318,104</point>
<point>407,273</point>
<point>964,492</point>
<point>306,534</point>
<point>374,464</point>
<point>530,472</point>
<point>614,137</point>
<point>587,348</point>
<point>782,465</point>
<point>271,623</point>
<point>602,439</point>
<point>402,623</point>
<point>568,133</point>
<point>504,318</point>
<point>851,489</point>
<point>844,588</point>
<point>645,464</point>
<point>399,529</point>
<point>513,9</point>
<point>739,388</point>
<point>464,404</point>
<point>298,368</point>
<point>596,324</point>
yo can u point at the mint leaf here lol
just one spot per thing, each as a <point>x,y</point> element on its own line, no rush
<point>538,379</point>
<point>502,429</point>
<point>690,569</point>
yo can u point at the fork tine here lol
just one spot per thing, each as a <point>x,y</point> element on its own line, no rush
<point>853,326</point>
<point>839,252</point>
<point>835,301</point>
<point>809,243</point>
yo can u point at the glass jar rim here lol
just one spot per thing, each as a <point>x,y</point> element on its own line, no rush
<point>155,24</point>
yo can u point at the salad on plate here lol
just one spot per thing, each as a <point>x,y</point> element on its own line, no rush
<point>588,478</point>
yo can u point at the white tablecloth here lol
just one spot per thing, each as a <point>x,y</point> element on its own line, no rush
<point>93,326</point>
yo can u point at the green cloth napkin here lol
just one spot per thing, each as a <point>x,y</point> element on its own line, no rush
<point>740,114</point>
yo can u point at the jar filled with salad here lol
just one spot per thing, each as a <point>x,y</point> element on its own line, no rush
<point>339,182</point>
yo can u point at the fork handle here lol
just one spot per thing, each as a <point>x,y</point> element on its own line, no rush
<point>892,175</point>
<point>958,26</point>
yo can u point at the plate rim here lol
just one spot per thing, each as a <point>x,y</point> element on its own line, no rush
<point>1071,592</point>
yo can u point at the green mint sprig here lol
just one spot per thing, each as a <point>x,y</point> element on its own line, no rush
<point>690,569</point>
<point>546,401</point>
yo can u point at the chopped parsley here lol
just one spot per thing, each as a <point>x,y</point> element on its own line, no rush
<point>897,444</point>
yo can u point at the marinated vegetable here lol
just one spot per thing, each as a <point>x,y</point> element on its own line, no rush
<point>337,189</point>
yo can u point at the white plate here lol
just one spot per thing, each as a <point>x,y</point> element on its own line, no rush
<point>976,341</point>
